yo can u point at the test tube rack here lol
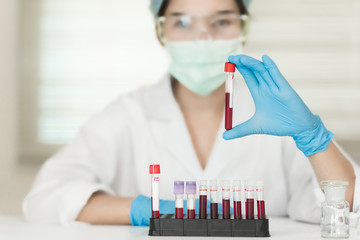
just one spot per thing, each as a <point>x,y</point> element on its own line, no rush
<point>168,225</point>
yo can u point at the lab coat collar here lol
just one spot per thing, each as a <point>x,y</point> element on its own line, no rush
<point>160,103</point>
<point>162,106</point>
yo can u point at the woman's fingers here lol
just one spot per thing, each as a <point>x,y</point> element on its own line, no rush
<point>248,75</point>
<point>250,79</point>
<point>258,68</point>
<point>274,71</point>
<point>241,130</point>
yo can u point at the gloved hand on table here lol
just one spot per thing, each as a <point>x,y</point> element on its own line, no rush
<point>140,212</point>
<point>278,108</point>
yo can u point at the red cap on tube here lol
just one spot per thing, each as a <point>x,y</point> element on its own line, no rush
<point>154,169</point>
<point>229,67</point>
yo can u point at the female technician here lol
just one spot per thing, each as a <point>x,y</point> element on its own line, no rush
<point>102,176</point>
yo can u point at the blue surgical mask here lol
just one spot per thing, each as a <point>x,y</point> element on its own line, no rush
<point>199,65</point>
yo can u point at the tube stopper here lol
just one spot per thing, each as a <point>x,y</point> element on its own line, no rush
<point>154,169</point>
<point>190,187</point>
<point>229,67</point>
<point>179,187</point>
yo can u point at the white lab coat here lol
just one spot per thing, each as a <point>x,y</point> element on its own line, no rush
<point>112,152</point>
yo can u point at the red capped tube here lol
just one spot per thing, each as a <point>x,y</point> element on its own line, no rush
<point>237,199</point>
<point>154,170</point>
<point>260,200</point>
<point>226,199</point>
<point>229,67</point>
<point>213,199</point>
<point>249,203</point>
<point>229,70</point>
<point>203,199</point>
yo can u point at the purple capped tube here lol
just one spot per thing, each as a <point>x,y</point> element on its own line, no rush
<point>179,199</point>
<point>191,194</point>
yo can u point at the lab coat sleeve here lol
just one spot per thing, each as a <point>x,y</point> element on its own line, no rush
<point>304,192</point>
<point>68,179</point>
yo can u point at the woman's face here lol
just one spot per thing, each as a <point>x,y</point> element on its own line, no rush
<point>189,20</point>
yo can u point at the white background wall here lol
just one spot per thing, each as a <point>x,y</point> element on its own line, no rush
<point>7,80</point>
<point>7,94</point>
<point>7,97</point>
<point>14,180</point>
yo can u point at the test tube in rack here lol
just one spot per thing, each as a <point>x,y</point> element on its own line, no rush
<point>249,202</point>
<point>214,199</point>
<point>191,194</point>
<point>179,199</point>
<point>226,199</point>
<point>203,199</point>
<point>260,200</point>
<point>155,176</point>
<point>237,199</point>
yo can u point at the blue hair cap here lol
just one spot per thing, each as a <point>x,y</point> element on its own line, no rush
<point>156,4</point>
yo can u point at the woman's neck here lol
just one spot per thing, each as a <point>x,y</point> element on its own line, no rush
<point>193,103</point>
<point>203,115</point>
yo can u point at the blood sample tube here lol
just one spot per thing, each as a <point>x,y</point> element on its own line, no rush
<point>191,193</point>
<point>226,199</point>
<point>155,174</point>
<point>214,200</point>
<point>229,70</point>
<point>249,203</point>
<point>203,199</point>
<point>179,199</point>
<point>237,199</point>
<point>260,199</point>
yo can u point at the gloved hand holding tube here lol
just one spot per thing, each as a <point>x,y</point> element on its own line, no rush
<point>279,109</point>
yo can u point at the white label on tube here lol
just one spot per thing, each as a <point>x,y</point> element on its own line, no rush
<point>226,193</point>
<point>260,193</point>
<point>249,192</point>
<point>237,194</point>
<point>179,202</point>
<point>155,193</point>
<point>191,202</point>
<point>231,100</point>
<point>213,195</point>
<point>203,191</point>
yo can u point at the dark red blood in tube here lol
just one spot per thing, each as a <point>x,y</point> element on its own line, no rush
<point>154,214</point>
<point>249,205</point>
<point>261,209</point>
<point>228,112</point>
<point>179,213</point>
<point>226,208</point>
<point>237,210</point>
<point>214,210</point>
<point>191,213</point>
<point>203,207</point>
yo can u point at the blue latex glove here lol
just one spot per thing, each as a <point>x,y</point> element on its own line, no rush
<point>279,109</point>
<point>140,211</point>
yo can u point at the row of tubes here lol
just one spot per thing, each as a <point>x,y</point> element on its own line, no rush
<point>203,193</point>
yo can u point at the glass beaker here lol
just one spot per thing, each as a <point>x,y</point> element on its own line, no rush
<point>335,210</point>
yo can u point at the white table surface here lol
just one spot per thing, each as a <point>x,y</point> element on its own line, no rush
<point>16,228</point>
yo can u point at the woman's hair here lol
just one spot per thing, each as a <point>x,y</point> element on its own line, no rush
<point>165,4</point>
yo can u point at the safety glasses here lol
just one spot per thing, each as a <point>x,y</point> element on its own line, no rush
<point>185,27</point>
